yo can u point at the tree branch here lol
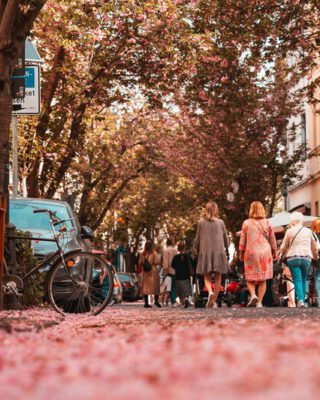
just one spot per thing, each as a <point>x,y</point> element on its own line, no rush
<point>114,196</point>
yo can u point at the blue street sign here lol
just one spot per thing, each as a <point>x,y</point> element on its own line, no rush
<point>30,78</point>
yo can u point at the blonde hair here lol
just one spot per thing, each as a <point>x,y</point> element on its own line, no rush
<point>316,226</point>
<point>257,210</point>
<point>211,211</point>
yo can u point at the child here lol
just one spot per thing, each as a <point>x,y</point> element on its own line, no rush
<point>165,289</point>
<point>181,263</point>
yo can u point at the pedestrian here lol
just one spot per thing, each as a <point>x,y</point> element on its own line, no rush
<point>211,244</point>
<point>150,281</point>
<point>299,246</point>
<point>134,259</point>
<point>168,254</point>
<point>165,289</point>
<point>181,263</point>
<point>316,264</point>
<point>105,284</point>
<point>258,249</point>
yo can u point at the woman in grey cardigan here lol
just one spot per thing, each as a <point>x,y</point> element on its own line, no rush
<point>212,246</point>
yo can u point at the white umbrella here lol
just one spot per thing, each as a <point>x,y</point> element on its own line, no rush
<point>280,220</point>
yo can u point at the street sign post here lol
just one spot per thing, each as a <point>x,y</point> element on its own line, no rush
<point>30,103</point>
<point>18,77</point>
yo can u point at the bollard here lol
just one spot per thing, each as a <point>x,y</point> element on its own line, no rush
<point>11,247</point>
<point>3,208</point>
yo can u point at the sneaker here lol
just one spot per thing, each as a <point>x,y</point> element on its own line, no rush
<point>157,304</point>
<point>253,301</point>
<point>301,304</point>
<point>210,301</point>
<point>215,305</point>
<point>147,306</point>
<point>259,305</point>
<point>174,305</point>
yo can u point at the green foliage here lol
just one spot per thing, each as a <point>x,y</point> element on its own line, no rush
<point>156,206</point>
<point>151,108</point>
<point>26,261</point>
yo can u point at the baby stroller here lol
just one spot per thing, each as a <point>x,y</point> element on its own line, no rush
<point>285,291</point>
<point>200,296</point>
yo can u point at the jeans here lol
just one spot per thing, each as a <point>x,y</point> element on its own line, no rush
<point>299,268</point>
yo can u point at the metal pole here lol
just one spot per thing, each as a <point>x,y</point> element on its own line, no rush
<point>15,180</point>
<point>3,208</point>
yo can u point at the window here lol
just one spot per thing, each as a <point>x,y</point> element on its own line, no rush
<point>292,137</point>
<point>303,131</point>
<point>21,215</point>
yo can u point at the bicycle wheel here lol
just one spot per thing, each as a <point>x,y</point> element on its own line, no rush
<point>78,290</point>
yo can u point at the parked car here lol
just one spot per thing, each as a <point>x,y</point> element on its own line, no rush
<point>21,215</point>
<point>136,279</point>
<point>131,288</point>
<point>117,288</point>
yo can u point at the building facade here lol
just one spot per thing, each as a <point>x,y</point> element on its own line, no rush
<point>304,195</point>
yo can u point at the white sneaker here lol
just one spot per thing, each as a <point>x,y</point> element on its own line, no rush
<point>259,305</point>
<point>253,301</point>
<point>215,305</point>
<point>300,304</point>
<point>210,301</point>
<point>174,305</point>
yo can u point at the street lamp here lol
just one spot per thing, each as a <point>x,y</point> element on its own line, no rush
<point>284,192</point>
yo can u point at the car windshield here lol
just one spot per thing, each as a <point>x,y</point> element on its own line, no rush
<point>124,278</point>
<point>22,216</point>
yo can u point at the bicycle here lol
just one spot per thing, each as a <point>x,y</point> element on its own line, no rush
<point>74,281</point>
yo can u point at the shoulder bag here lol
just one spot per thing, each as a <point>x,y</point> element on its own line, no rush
<point>283,258</point>
<point>261,231</point>
<point>146,265</point>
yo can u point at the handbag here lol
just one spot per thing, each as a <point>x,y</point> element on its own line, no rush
<point>277,265</point>
<point>283,258</point>
<point>146,265</point>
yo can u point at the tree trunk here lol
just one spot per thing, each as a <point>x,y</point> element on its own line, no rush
<point>15,24</point>
<point>5,118</point>
<point>33,179</point>
<point>113,198</point>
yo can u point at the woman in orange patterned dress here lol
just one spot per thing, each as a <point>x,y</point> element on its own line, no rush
<point>258,248</point>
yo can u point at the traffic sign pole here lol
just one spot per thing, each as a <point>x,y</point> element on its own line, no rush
<point>15,179</point>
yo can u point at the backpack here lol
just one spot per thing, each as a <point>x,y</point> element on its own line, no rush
<point>146,265</point>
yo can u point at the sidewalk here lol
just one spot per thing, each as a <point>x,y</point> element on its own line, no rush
<point>129,352</point>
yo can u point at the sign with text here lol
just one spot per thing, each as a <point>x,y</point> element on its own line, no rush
<point>30,103</point>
